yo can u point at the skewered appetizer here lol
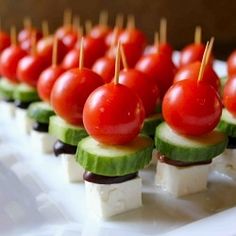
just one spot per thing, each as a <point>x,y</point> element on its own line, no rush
<point>114,153</point>
<point>68,96</point>
<point>186,141</point>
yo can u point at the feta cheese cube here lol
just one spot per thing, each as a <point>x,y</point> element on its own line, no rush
<point>180,181</point>
<point>23,122</point>
<point>7,110</point>
<point>105,200</point>
<point>72,169</point>
<point>42,141</point>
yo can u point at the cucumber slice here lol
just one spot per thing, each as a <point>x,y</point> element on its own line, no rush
<point>189,149</point>
<point>40,112</point>
<point>65,132</point>
<point>114,160</point>
<point>25,93</point>
<point>227,123</point>
<point>150,124</point>
<point>7,88</point>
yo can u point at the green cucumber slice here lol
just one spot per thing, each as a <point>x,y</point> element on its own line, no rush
<point>189,149</point>
<point>227,123</point>
<point>25,93</point>
<point>150,124</point>
<point>65,132</point>
<point>7,88</point>
<point>114,160</point>
<point>40,111</point>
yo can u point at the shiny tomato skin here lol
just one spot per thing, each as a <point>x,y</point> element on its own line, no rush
<point>45,46</point>
<point>134,42</point>
<point>192,108</point>
<point>159,68</point>
<point>9,60</point>
<point>29,68</point>
<point>100,31</point>
<point>191,53</point>
<point>145,88</point>
<point>231,64</point>
<point>191,71</point>
<point>46,81</point>
<point>110,38</point>
<point>164,48</point>
<point>105,67</point>
<point>5,41</point>
<point>113,114</point>
<point>229,95</point>
<point>70,92</point>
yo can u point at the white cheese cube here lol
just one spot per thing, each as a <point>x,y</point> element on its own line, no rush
<point>105,200</point>
<point>180,181</point>
<point>72,169</point>
<point>7,110</point>
<point>42,141</point>
<point>23,122</point>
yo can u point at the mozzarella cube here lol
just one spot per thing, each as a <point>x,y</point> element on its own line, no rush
<point>72,169</point>
<point>7,110</point>
<point>180,181</point>
<point>42,141</point>
<point>23,122</point>
<point>105,200</point>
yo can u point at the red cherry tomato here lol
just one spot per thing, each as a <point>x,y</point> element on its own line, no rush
<point>134,42</point>
<point>191,71</point>
<point>105,67</point>
<point>100,32</point>
<point>45,46</point>
<point>5,41</point>
<point>46,81</point>
<point>9,60</point>
<point>229,95</point>
<point>159,68</point>
<point>231,64</point>
<point>113,114</point>
<point>164,48</point>
<point>70,92</point>
<point>145,88</point>
<point>29,68</point>
<point>110,38</point>
<point>191,107</point>
<point>191,53</point>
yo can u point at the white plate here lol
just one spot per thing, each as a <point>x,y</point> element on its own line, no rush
<point>36,200</point>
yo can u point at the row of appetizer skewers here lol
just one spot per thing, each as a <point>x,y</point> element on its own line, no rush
<point>103,122</point>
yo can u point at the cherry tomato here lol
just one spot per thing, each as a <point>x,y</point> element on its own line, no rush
<point>134,42</point>
<point>159,68</point>
<point>9,60</point>
<point>5,41</point>
<point>105,67</point>
<point>191,71</point>
<point>113,114</point>
<point>229,95</point>
<point>29,68</point>
<point>45,46</point>
<point>46,81</point>
<point>191,53</point>
<point>110,38</point>
<point>164,48</point>
<point>100,32</point>
<point>231,64</point>
<point>191,107</point>
<point>145,88</point>
<point>70,92</point>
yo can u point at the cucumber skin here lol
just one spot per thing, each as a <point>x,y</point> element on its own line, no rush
<point>7,89</point>
<point>24,93</point>
<point>227,127</point>
<point>187,154</point>
<point>149,125</point>
<point>66,133</point>
<point>117,166</point>
<point>37,112</point>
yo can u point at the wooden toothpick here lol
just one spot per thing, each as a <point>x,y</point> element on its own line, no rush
<point>119,21</point>
<point>33,43</point>
<point>13,35</point>
<point>54,51</point>
<point>88,26</point>
<point>156,41</point>
<point>117,65</point>
<point>81,54</point>
<point>198,35</point>
<point>203,63</point>
<point>210,49</point>
<point>76,22</point>
<point>163,30</point>
<point>67,17</point>
<point>130,22</point>
<point>45,28</point>
<point>27,22</point>
<point>103,18</point>
<point>123,57</point>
